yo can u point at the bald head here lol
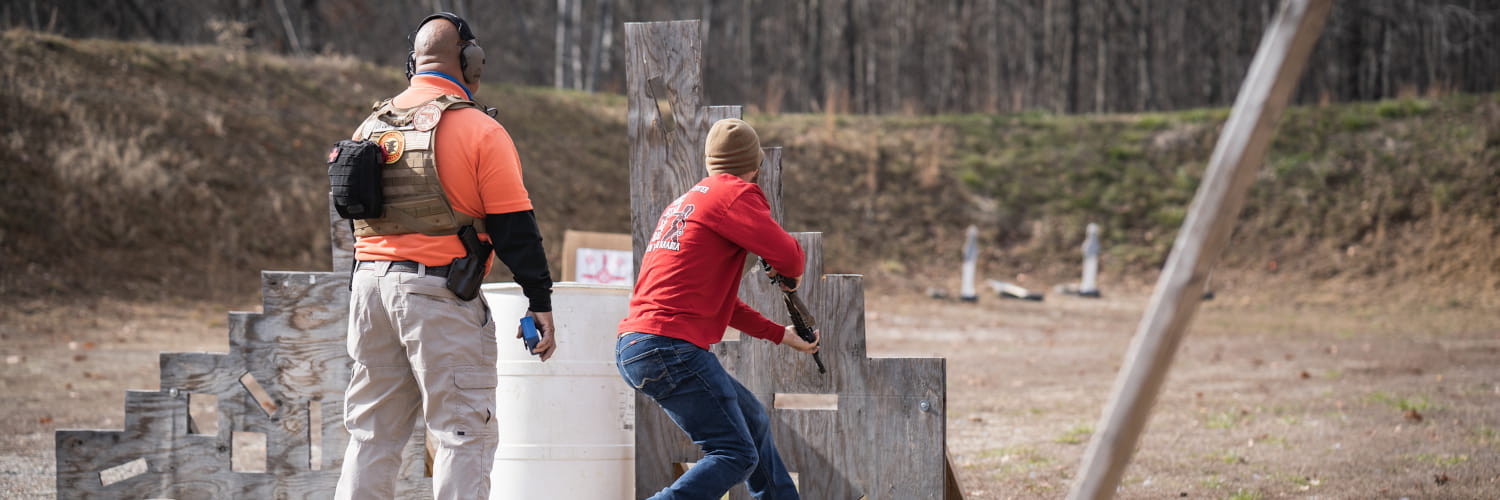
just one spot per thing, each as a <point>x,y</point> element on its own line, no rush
<point>437,45</point>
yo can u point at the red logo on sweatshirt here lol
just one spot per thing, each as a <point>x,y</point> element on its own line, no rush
<point>669,229</point>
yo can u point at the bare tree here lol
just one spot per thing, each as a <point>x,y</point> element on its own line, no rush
<point>559,69</point>
<point>869,56</point>
<point>603,35</point>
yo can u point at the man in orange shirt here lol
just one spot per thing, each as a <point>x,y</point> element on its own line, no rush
<point>418,347</point>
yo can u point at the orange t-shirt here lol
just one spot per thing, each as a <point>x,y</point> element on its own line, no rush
<point>479,168</point>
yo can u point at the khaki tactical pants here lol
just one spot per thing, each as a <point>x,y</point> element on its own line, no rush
<point>417,347</point>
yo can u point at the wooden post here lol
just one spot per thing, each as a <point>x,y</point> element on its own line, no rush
<point>1241,148</point>
<point>666,145</point>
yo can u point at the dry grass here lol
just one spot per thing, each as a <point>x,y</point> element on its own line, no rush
<point>154,170</point>
<point>148,169</point>
<point>163,171</point>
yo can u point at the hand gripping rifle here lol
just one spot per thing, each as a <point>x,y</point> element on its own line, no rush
<point>802,320</point>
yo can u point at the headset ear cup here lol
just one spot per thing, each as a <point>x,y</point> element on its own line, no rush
<point>411,64</point>
<point>471,62</point>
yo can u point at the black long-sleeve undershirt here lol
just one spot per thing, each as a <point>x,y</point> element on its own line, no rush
<point>518,244</point>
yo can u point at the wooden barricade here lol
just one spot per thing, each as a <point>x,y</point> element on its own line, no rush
<point>877,427</point>
<point>281,383</point>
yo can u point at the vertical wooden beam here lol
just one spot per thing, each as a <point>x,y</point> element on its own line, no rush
<point>663,75</point>
<point>770,182</point>
<point>1242,146</point>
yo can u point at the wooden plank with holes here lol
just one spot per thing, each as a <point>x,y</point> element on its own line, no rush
<point>283,377</point>
<point>1216,206</point>
<point>881,436</point>
<point>200,372</point>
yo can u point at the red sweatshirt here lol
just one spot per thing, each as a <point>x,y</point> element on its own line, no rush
<point>690,275</point>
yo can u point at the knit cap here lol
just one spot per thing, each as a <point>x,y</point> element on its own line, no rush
<point>733,148</point>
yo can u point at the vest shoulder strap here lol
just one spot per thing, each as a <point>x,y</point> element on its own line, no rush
<point>401,117</point>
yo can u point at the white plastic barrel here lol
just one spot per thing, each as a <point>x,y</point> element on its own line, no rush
<point>566,426</point>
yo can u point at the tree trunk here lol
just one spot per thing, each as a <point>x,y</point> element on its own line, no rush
<point>559,56</point>
<point>1075,45</point>
<point>289,27</point>
<point>814,69</point>
<point>1146,94</point>
<point>312,26</point>
<point>1101,58</point>
<point>606,44</point>
<point>523,26</point>
<point>575,44</point>
<point>851,45</point>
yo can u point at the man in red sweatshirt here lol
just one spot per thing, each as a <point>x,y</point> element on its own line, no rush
<point>686,295</point>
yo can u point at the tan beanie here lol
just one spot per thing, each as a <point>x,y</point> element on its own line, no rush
<point>733,148</point>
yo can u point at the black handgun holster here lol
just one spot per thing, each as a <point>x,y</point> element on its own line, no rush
<point>466,273</point>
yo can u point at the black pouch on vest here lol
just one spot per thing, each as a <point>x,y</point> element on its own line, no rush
<point>466,273</point>
<point>354,170</point>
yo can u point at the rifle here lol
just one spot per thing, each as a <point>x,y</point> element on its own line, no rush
<point>802,319</point>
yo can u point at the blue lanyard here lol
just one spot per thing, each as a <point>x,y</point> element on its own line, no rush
<point>451,79</point>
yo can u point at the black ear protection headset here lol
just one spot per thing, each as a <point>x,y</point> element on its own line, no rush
<point>464,35</point>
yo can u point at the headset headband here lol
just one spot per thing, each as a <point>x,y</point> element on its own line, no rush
<point>464,34</point>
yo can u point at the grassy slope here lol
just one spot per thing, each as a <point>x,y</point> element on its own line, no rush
<point>143,169</point>
<point>1374,192</point>
<point>160,170</point>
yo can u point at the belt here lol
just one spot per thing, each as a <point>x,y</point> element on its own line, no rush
<point>405,266</point>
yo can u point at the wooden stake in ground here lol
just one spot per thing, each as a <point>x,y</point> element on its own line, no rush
<point>1241,148</point>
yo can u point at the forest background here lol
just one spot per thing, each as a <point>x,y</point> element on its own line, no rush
<point>866,56</point>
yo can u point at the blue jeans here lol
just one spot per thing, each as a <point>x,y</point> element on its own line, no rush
<point>716,412</point>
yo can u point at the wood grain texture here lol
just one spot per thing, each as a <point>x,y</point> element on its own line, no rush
<point>886,439</point>
<point>712,115</point>
<point>295,351</point>
<point>1216,206</point>
<point>341,234</point>
<point>666,153</point>
<point>770,181</point>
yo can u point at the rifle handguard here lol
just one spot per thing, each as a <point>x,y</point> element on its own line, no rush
<point>802,319</point>
<point>790,283</point>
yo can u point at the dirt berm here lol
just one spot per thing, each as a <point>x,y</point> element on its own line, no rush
<point>151,171</point>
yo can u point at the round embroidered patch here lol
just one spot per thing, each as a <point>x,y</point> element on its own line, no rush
<point>426,118</point>
<point>394,144</point>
